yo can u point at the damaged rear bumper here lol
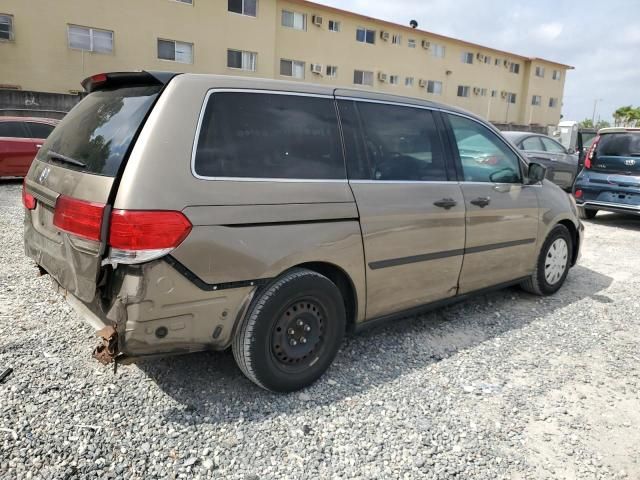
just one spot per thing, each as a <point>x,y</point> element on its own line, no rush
<point>152,310</point>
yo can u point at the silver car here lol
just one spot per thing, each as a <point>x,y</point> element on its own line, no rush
<point>562,164</point>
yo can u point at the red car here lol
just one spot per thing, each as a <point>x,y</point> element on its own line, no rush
<point>20,139</point>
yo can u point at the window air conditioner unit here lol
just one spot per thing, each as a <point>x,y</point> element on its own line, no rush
<point>426,44</point>
<point>422,83</point>
<point>317,20</point>
<point>382,76</point>
<point>503,94</point>
<point>384,35</point>
<point>507,63</point>
<point>476,91</point>
<point>316,68</point>
<point>480,57</point>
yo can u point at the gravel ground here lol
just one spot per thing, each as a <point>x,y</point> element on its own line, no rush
<point>507,385</point>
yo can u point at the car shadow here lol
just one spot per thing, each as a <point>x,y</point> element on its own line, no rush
<point>209,388</point>
<point>619,220</point>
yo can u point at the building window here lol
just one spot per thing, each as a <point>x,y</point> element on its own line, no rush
<point>393,79</point>
<point>90,39</point>
<point>556,75</point>
<point>483,92</point>
<point>294,20</point>
<point>514,68</point>
<point>435,87</point>
<point>463,91</point>
<point>180,52</point>
<point>364,35</point>
<point>291,68</point>
<point>396,39</point>
<point>243,7</point>
<point>467,57</point>
<point>536,100</point>
<point>540,72</point>
<point>408,82</point>
<point>6,27</point>
<point>553,102</point>
<point>242,60</point>
<point>334,26</point>
<point>487,59</point>
<point>411,43</point>
<point>497,62</point>
<point>438,50</point>
<point>511,97</point>
<point>361,77</point>
<point>494,93</point>
<point>332,71</point>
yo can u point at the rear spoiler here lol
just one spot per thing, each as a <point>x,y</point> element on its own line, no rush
<point>101,81</point>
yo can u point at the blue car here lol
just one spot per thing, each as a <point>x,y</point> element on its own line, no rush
<point>610,179</point>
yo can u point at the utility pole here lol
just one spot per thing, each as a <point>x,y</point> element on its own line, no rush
<point>595,105</point>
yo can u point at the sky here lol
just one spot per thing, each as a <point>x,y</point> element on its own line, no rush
<point>600,39</point>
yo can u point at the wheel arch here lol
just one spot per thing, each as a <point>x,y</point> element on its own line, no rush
<point>575,238</point>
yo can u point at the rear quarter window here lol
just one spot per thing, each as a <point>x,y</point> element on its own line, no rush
<point>13,130</point>
<point>40,130</point>
<point>264,135</point>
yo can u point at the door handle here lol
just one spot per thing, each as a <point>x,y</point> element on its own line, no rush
<point>38,146</point>
<point>446,203</point>
<point>481,201</point>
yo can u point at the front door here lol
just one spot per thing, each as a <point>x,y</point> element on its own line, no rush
<point>411,208</point>
<point>501,212</point>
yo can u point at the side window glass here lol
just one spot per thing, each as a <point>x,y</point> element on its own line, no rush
<point>13,130</point>
<point>39,130</point>
<point>484,157</point>
<point>256,135</point>
<point>532,143</point>
<point>397,143</point>
<point>551,146</point>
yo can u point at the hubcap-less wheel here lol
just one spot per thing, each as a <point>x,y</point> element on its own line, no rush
<point>297,335</point>
<point>556,261</point>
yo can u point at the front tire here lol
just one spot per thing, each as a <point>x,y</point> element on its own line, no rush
<point>553,263</point>
<point>292,331</point>
<point>587,213</point>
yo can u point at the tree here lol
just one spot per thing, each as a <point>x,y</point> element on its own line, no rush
<point>602,124</point>
<point>627,116</point>
<point>586,123</point>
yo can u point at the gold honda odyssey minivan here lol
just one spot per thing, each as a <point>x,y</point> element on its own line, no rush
<point>182,212</point>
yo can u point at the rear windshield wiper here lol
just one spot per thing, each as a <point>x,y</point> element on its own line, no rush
<point>64,159</point>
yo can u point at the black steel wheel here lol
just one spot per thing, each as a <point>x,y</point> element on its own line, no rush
<point>292,331</point>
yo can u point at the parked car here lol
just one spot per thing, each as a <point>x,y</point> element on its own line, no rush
<point>562,164</point>
<point>181,213</point>
<point>20,139</point>
<point>610,179</point>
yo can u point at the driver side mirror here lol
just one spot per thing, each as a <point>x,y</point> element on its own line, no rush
<point>536,173</point>
<point>571,151</point>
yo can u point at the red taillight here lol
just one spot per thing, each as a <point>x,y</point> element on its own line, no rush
<point>28,200</point>
<point>147,229</point>
<point>592,150</point>
<point>578,194</point>
<point>98,78</point>
<point>78,217</point>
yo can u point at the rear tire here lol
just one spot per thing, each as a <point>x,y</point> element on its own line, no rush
<point>553,263</point>
<point>292,331</point>
<point>586,213</point>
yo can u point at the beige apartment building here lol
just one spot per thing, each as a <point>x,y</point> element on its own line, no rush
<point>50,46</point>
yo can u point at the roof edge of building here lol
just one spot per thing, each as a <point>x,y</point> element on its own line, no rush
<point>425,32</point>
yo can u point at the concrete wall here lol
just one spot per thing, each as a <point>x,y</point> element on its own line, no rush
<point>21,103</point>
<point>40,59</point>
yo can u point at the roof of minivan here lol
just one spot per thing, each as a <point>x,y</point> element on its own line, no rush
<point>252,83</point>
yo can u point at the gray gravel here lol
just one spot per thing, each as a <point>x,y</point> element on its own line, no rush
<point>507,385</point>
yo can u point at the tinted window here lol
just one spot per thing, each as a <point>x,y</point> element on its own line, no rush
<point>551,146</point>
<point>99,130</point>
<point>532,143</point>
<point>269,136</point>
<point>619,145</point>
<point>388,142</point>
<point>484,156</point>
<point>13,130</point>
<point>40,130</point>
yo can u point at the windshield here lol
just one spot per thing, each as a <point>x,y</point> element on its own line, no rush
<point>97,132</point>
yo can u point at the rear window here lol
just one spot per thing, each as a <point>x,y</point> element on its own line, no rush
<point>98,131</point>
<point>40,130</point>
<point>619,145</point>
<point>262,135</point>
<point>13,130</point>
